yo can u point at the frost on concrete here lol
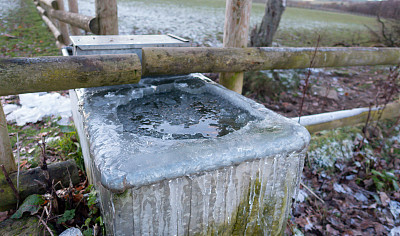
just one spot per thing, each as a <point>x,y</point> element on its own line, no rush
<point>35,106</point>
<point>137,163</point>
<point>71,232</point>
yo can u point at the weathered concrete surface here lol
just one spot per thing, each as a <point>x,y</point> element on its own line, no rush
<point>242,182</point>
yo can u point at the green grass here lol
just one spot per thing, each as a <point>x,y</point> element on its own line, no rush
<point>203,21</point>
<point>301,15</point>
<point>29,134</point>
<point>30,35</point>
<point>66,146</point>
<point>301,27</point>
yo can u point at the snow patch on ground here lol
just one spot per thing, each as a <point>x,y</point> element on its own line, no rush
<point>327,154</point>
<point>309,226</point>
<point>35,106</point>
<point>397,136</point>
<point>361,197</point>
<point>301,196</point>
<point>395,208</point>
<point>338,188</point>
<point>395,231</point>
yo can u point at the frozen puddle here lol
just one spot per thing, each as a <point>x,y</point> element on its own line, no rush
<point>181,115</point>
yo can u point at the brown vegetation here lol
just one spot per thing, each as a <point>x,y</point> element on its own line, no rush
<point>389,9</point>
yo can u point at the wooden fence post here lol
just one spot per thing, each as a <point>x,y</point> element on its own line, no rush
<point>6,155</point>
<point>73,7</point>
<point>236,30</point>
<point>62,26</point>
<point>107,14</point>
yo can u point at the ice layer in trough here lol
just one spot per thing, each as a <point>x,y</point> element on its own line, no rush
<point>183,155</point>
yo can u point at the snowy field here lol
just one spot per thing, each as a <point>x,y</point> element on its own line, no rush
<point>202,21</point>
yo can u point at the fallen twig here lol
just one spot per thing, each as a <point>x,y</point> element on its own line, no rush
<point>390,89</point>
<point>360,146</point>
<point>314,194</point>
<point>19,166</point>
<point>308,77</point>
<point>45,225</point>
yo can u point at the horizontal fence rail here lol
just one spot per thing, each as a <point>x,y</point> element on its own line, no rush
<point>50,3</point>
<point>87,23</point>
<point>57,19</point>
<point>23,75</point>
<point>158,61</point>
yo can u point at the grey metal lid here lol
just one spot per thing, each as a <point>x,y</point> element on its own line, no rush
<point>112,42</point>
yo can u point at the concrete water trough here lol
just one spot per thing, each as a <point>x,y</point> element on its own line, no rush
<point>182,155</point>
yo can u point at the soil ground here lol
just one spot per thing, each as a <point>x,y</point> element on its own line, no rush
<point>328,90</point>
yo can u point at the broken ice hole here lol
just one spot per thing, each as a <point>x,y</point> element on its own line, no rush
<point>178,114</point>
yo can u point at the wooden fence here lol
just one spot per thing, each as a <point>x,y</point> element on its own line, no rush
<point>23,75</point>
<point>64,23</point>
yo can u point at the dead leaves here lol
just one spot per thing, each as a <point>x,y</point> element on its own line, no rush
<point>385,200</point>
<point>353,204</point>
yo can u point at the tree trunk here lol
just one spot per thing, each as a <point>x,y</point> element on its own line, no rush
<point>237,20</point>
<point>6,155</point>
<point>107,14</point>
<point>262,36</point>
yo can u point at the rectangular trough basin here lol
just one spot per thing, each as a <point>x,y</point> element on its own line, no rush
<point>184,156</point>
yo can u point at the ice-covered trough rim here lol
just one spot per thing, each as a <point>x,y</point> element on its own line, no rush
<point>126,160</point>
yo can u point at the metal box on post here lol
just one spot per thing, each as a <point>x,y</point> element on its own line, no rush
<point>120,44</point>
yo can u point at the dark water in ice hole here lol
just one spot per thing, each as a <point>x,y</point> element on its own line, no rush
<point>181,115</point>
